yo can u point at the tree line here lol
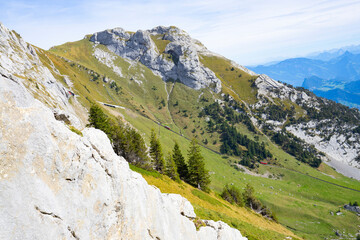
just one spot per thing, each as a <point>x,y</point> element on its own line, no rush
<point>295,146</point>
<point>232,112</point>
<point>223,120</point>
<point>175,166</point>
<point>127,142</point>
<point>231,139</point>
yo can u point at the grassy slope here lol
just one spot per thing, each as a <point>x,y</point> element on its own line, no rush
<point>144,96</point>
<point>293,197</point>
<point>237,82</point>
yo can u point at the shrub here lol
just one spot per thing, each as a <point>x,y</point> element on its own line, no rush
<point>232,195</point>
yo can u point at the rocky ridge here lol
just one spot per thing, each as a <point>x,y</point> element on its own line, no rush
<point>56,184</point>
<point>19,61</point>
<point>268,87</point>
<point>168,51</point>
<point>339,143</point>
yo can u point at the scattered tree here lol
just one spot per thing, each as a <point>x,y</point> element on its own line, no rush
<point>126,141</point>
<point>232,195</point>
<point>198,175</point>
<point>98,119</point>
<point>179,160</point>
<point>156,153</point>
<point>250,199</point>
<point>170,168</point>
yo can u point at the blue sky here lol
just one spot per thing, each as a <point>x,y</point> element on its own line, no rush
<point>249,32</point>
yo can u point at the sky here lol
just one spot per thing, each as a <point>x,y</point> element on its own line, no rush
<point>248,32</point>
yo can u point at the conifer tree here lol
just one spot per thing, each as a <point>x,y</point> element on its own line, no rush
<point>179,160</point>
<point>170,168</point>
<point>136,151</point>
<point>98,119</point>
<point>156,153</point>
<point>198,175</point>
<point>126,141</point>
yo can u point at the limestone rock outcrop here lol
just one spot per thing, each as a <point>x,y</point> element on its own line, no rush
<point>269,87</point>
<point>169,51</point>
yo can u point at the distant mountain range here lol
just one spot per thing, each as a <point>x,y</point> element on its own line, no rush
<point>333,74</point>
<point>334,53</point>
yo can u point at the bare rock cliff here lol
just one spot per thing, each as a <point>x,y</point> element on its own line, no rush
<point>169,51</point>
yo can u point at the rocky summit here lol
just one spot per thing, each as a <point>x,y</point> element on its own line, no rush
<point>169,51</point>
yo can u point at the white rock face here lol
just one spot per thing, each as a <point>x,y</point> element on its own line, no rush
<point>55,184</point>
<point>222,231</point>
<point>180,60</point>
<point>341,154</point>
<point>15,49</point>
<point>19,61</point>
<point>107,59</point>
<point>269,87</point>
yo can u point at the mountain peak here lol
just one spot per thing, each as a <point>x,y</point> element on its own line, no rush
<point>168,51</point>
<point>347,54</point>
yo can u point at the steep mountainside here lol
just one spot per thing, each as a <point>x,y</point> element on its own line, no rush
<point>329,127</point>
<point>56,183</point>
<point>252,129</point>
<point>156,49</point>
<point>167,51</point>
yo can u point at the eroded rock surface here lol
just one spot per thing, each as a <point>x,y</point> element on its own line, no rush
<point>169,51</point>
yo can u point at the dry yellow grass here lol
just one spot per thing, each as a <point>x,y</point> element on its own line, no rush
<point>216,204</point>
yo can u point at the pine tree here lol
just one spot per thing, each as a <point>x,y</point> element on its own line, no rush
<point>156,153</point>
<point>126,141</point>
<point>198,175</point>
<point>136,148</point>
<point>170,169</point>
<point>118,136</point>
<point>179,160</point>
<point>98,119</point>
